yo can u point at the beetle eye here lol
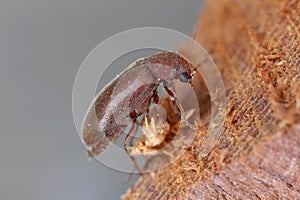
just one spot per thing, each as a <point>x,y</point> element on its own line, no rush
<point>184,77</point>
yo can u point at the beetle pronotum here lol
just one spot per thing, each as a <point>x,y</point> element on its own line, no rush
<point>129,96</point>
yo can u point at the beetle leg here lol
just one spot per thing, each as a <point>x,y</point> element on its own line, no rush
<point>129,137</point>
<point>128,140</point>
<point>174,98</point>
<point>155,97</point>
<point>132,130</point>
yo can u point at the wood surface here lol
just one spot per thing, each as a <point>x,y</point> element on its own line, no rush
<point>256,46</point>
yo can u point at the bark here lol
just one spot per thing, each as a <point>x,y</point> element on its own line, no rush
<point>256,46</point>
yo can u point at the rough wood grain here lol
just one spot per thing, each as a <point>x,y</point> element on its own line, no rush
<point>270,171</point>
<point>256,46</point>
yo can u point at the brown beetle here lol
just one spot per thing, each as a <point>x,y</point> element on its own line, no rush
<point>129,96</point>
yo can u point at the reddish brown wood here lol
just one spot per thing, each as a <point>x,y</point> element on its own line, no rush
<point>256,46</point>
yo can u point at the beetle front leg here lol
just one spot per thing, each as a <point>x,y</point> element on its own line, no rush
<point>178,104</point>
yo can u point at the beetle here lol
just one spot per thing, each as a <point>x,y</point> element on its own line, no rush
<point>129,96</point>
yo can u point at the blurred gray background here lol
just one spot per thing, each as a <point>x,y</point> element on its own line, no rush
<point>42,44</point>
